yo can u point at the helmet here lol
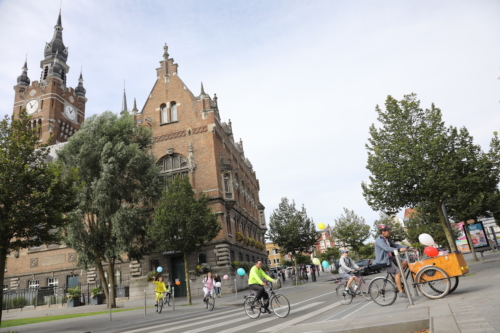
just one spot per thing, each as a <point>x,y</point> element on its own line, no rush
<point>384,227</point>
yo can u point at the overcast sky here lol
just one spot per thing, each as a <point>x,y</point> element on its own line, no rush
<point>298,79</point>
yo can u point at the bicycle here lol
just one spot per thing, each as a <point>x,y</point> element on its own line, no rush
<point>159,305</point>
<point>167,299</point>
<point>304,276</point>
<point>209,301</point>
<point>346,297</point>
<point>279,304</point>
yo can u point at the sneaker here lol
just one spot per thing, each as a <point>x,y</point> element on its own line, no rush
<point>269,311</point>
<point>403,295</point>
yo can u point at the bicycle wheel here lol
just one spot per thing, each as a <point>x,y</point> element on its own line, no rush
<point>433,282</point>
<point>211,303</point>
<point>363,289</point>
<point>169,300</point>
<point>252,310</point>
<point>160,304</point>
<point>344,296</point>
<point>382,291</point>
<point>280,305</point>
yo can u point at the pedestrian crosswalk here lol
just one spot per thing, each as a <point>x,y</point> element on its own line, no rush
<point>236,320</point>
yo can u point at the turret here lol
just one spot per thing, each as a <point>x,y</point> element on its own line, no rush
<point>80,90</point>
<point>23,79</point>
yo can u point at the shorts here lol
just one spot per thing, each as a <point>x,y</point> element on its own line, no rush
<point>347,275</point>
<point>393,269</point>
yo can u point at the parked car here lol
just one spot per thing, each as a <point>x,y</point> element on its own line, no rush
<point>368,266</point>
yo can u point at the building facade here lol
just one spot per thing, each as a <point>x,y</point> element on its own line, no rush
<point>189,141</point>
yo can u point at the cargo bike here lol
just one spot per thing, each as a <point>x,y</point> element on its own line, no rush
<point>433,277</point>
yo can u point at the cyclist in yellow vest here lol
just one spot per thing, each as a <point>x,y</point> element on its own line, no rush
<point>256,284</point>
<point>160,288</point>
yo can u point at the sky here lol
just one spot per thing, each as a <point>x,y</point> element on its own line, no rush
<point>299,80</point>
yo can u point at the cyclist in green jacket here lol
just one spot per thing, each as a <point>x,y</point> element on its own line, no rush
<point>256,284</point>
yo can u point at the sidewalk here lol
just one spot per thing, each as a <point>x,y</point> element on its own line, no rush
<point>472,308</point>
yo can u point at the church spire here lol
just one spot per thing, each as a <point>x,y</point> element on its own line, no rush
<point>23,79</point>
<point>56,45</point>
<point>135,110</point>
<point>80,90</point>
<point>124,100</point>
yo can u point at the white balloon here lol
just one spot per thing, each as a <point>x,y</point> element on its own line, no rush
<point>426,239</point>
<point>218,284</point>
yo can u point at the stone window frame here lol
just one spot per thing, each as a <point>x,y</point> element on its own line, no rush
<point>170,171</point>
<point>33,284</point>
<point>163,114</point>
<point>53,282</point>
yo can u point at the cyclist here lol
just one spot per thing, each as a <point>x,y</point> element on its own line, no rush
<point>160,288</point>
<point>208,286</point>
<point>384,253</point>
<point>256,284</point>
<point>217,289</point>
<point>347,267</point>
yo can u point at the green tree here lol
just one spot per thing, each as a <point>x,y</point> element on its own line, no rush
<point>425,220</point>
<point>413,157</point>
<point>183,222</point>
<point>351,230</point>
<point>397,232</point>
<point>331,254</point>
<point>302,259</point>
<point>34,194</point>
<point>292,230</point>
<point>121,185</point>
<point>367,251</point>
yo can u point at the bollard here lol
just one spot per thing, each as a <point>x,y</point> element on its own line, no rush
<point>236,288</point>
<point>109,304</point>
<point>173,299</point>
<point>144,302</point>
<point>398,261</point>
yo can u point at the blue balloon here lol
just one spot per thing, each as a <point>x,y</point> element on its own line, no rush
<point>241,271</point>
<point>159,269</point>
<point>325,264</point>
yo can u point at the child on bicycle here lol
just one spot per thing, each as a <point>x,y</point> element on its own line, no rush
<point>347,269</point>
<point>208,286</point>
<point>160,288</point>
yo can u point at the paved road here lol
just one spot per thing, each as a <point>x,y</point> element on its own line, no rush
<point>316,300</point>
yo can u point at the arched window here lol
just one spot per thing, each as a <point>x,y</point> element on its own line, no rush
<point>173,111</point>
<point>173,166</point>
<point>226,183</point>
<point>163,114</point>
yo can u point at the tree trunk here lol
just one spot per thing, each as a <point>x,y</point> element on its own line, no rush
<point>3,262</point>
<point>469,239</point>
<point>104,282</point>
<point>188,285</point>
<point>297,274</point>
<point>111,278</point>
<point>442,219</point>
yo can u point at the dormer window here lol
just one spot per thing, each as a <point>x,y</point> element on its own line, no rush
<point>163,114</point>
<point>173,111</point>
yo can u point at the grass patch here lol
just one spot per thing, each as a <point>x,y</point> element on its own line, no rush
<point>26,321</point>
<point>470,274</point>
<point>189,304</point>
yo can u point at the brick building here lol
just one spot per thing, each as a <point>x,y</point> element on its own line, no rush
<point>189,141</point>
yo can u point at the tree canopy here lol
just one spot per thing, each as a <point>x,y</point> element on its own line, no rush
<point>183,222</point>
<point>413,158</point>
<point>397,232</point>
<point>121,184</point>
<point>351,230</point>
<point>292,229</point>
<point>34,194</point>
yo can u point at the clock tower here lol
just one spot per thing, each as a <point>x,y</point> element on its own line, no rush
<point>56,109</point>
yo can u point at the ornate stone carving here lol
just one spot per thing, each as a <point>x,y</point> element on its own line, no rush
<point>33,262</point>
<point>72,257</point>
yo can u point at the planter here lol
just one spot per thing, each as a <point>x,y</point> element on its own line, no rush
<point>96,300</point>
<point>72,302</point>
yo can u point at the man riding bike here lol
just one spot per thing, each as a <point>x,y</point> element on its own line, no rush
<point>384,252</point>
<point>256,284</point>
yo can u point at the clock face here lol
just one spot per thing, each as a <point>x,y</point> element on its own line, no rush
<point>70,112</point>
<point>32,106</point>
